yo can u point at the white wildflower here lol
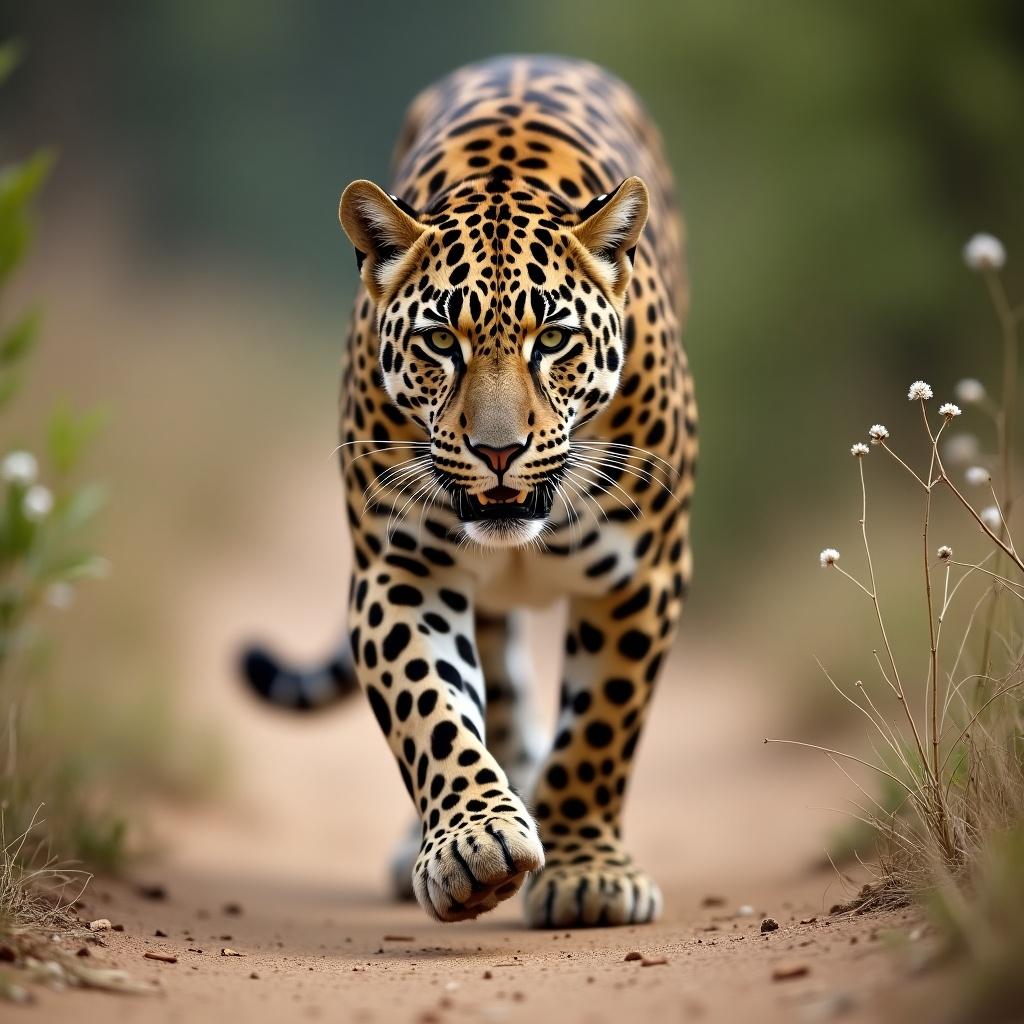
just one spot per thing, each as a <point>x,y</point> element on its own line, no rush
<point>991,518</point>
<point>38,503</point>
<point>828,557</point>
<point>949,410</point>
<point>969,391</point>
<point>945,553</point>
<point>860,449</point>
<point>977,476</point>
<point>878,434</point>
<point>60,595</point>
<point>961,448</point>
<point>19,468</point>
<point>984,252</point>
<point>919,390</point>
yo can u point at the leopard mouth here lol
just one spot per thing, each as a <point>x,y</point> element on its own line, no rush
<point>503,502</point>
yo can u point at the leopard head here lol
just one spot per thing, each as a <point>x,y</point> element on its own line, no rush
<point>499,314</point>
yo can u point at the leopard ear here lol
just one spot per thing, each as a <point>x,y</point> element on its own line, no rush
<point>610,229</point>
<point>382,228</point>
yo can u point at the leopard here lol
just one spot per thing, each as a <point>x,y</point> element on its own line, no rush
<point>518,432</point>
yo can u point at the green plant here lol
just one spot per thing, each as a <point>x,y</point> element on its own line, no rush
<point>44,518</point>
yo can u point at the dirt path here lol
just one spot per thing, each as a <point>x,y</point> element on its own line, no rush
<point>300,847</point>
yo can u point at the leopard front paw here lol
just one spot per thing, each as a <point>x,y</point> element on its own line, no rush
<point>592,894</point>
<point>470,867</point>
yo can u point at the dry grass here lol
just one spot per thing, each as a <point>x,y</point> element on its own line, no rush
<point>945,725</point>
<point>37,901</point>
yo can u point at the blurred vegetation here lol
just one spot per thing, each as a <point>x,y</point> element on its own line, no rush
<point>984,933</point>
<point>831,159</point>
<point>62,752</point>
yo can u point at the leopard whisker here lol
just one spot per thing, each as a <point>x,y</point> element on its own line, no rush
<point>587,500</point>
<point>391,476</point>
<point>637,463</point>
<point>631,447</point>
<point>637,510</point>
<point>412,478</point>
<point>581,460</point>
<point>401,515</point>
<point>428,503</point>
<point>392,473</point>
<point>384,443</point>
<point>389,448</point>
<point>572,519</point>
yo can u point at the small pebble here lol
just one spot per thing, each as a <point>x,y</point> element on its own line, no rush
<point>769,924</point>
<point>633,955</point>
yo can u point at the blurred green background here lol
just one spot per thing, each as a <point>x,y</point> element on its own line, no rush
<point>831,159</point>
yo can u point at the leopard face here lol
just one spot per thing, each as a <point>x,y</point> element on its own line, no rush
<point>499,313</point>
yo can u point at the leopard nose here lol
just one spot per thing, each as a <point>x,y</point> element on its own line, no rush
<point>499,459</point>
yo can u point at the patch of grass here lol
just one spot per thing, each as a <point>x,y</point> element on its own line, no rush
<point>37,897</point>
<point>32,885</point>
<point>945,724</point>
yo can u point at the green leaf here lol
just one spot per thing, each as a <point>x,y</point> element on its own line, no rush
<point>18,186</point>
<point>71,566</point>
<point>10,58</point>
<point>69,433</point>
<point>20,182</point>
<point>10,382</point>
<point>78,510</point>
<point>17,532</point>
<point>17,341</point>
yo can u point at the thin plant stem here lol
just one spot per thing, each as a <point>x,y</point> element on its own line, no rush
<point>897,683</point>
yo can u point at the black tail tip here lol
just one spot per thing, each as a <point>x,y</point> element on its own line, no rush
<point>260,670</point>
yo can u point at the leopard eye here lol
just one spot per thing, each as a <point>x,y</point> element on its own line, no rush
<point>551,339</point>
<point>441,341</point>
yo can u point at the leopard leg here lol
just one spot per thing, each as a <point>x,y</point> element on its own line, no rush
<point>615,647</point>
<point>414,653</point>
<point>512,734</point>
